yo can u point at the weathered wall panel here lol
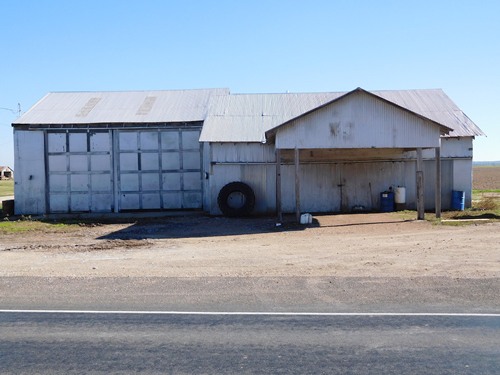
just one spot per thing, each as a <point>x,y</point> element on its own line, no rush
<point>456,147</point>
<point>360,182</point>
<point>242,153</point>
<point>462,178</point>
<point>341,187</point>
<point>29,187</point>
<point>318,188</point>
<point>450,148</point>
<point>334,187</point>
<point>261,178</point>
<point>344,155</point>
<point>206,151</point>
<point>246,162</point>
<point>429,167</point>
<point>358,121</point>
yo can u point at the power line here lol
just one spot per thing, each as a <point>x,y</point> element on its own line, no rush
<point>16,112</point>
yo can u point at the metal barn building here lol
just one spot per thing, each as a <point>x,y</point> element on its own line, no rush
<point>174,150</point>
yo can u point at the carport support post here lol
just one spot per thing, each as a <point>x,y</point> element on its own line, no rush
<point>438,182</point>
<point>278,186</point>
<point>420,187</point>
<point>297,185</point>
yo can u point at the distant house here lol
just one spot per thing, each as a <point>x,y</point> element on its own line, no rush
<point>6,173</point>
<point>218,152</point>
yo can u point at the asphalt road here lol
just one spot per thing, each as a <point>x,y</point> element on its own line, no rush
<point>302,294</point>
<point>75,343</point>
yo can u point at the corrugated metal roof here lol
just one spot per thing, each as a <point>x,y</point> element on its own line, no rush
<point>246,118</point>
<point>120,107</point>
<point>435,105</point>
<point>228,117</point>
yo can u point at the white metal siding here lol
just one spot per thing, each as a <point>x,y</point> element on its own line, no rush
<point>29,187</point>
<point>456,147</point>
<point>358,121</point>
<point>319,189</point>
<point>429,168</point>
<point>462,178</point>
<point>242,153</point>
<point>334,186</point>
<point>261,178</point>
<point>338,187</point>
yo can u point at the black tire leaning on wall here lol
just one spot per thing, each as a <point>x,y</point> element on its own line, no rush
<point>236,187</point>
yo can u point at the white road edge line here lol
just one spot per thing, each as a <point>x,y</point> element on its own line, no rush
<point>246,313</point>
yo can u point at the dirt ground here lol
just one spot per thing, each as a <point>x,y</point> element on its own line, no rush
<point>371,245</point>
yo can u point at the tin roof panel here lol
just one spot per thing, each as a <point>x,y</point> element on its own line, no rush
<point>120,107</point>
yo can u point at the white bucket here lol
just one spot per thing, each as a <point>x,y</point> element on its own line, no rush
<point>306,219</point>
<point>400,195</point>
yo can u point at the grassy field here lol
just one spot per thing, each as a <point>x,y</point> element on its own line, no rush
<point>6,188</point>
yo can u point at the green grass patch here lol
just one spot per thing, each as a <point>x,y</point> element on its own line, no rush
<point>6,188</point>
<point>26,225</point>
<point>486,200</point>
<point>16,224</point>
<point>485,205</point>
<point>476,192</point>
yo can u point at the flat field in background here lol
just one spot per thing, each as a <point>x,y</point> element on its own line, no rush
<point>486,178</point>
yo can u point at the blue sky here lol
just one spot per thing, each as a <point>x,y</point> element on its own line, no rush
<point>252,46</point>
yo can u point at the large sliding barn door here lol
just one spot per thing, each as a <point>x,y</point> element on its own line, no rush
<point>154,169</point>
<point>159,169</point>
<point>79,171</point>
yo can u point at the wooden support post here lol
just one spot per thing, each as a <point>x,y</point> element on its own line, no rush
<point>420,187</point>
<point>279,212</point>
<point>438,182</point>
<point>420,196</point>
<point>297,185</point>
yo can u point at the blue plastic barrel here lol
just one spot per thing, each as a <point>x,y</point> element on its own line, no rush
<point>458,200</point>
<point>387,201</point>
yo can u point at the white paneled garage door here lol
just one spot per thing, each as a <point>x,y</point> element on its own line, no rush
<point>79,171</point>
<point>154,169</point>
<point>159,169</point>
